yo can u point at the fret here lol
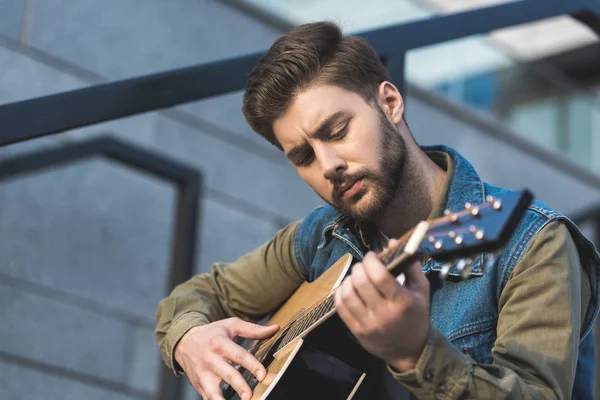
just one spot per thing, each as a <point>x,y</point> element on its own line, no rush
<point>307,319</point>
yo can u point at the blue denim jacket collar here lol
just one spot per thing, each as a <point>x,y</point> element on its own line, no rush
<point>466,187</point>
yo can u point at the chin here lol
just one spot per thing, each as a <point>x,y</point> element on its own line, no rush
<point>364,209</point>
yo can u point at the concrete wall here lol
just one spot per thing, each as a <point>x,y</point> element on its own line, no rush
<point>84,248</point>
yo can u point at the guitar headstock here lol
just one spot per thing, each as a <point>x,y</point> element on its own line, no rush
<point>478,228</point>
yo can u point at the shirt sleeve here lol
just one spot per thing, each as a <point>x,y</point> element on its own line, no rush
<point>541,311</point>
<point>248,288</point>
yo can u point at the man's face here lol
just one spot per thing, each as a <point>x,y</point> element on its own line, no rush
<point>346,150</point>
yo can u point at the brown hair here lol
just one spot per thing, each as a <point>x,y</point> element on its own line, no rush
<point>314,52</point>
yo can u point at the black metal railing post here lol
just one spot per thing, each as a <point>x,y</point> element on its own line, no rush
<point>185,226</point>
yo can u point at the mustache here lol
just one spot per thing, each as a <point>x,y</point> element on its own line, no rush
<point>339,180</point>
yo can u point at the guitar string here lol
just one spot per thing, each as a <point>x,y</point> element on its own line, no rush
<point>305,313</point>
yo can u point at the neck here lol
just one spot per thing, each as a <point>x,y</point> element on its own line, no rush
<point>419,191</point>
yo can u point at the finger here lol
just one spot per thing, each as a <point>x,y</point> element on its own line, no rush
<point>392,243</point>
<point>416,279</point>
<point>249,330</point>
<point>364,287</point>
<point>343,312</point>
<point>210,385</point>
<point>196,384</point>
<point>351,300</point>
<point>380,276</point>
<point>229,374</point>
<point>239,355</point>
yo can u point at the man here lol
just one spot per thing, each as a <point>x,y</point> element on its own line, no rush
<point>519,329</point>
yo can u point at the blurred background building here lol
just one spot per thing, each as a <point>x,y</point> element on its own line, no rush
<point>84,248</point>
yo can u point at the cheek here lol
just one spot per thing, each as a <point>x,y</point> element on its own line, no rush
<point>316,181</point>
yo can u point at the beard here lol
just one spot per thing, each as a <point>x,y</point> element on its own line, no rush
<point>383,183</point>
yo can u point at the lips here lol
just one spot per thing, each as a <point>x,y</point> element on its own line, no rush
<point>350,188</point>
<point>347,186</point>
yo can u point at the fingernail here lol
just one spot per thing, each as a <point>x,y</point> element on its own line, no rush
<point>260,374</point>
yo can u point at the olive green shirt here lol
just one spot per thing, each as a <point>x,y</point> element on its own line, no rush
<point>535,353</point>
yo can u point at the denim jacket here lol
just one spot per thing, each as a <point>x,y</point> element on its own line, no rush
<point>325,235</point>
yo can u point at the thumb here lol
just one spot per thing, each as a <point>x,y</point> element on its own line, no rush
<point>249,330</point>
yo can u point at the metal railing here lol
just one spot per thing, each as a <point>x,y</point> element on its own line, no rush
<point>185,229</point>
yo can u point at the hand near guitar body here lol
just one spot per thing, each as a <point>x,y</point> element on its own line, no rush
<point>390,320</point>
<point>206,352</point>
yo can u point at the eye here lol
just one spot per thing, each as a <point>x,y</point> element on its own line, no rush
<point>340,133</point>
<point>306,159</point>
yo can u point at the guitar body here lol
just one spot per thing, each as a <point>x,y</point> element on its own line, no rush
<point>322,363</point>
<point>314,356</point>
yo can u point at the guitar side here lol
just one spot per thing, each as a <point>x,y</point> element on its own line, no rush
<point>304,297</point>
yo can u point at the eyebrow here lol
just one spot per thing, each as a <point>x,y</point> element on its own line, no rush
<point>321,133</point>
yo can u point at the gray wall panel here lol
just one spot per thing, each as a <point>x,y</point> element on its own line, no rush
<point>23,78</point>
<point>226,112</point>
<point>19,383</point>
<point>11,12</point>
<point>128,37</point>
<point>93,229</point>
<point>228,233</point>
<point>269,185</point>
<point>146,361</point>
<point>60,334</point>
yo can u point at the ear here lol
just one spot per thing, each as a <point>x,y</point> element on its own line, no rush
<point>391,101</point>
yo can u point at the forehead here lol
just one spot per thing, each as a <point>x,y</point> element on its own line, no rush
<point>310,107</point>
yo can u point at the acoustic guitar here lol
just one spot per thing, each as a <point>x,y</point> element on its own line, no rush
<point>308,358</point>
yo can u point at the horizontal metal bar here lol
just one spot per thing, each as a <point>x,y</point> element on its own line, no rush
<point>426,32</point>
<point>56,113</point>
<point>133,157</point>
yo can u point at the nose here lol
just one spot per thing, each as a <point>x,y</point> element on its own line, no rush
<point>331,162</point>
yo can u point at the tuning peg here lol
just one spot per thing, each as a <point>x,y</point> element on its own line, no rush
<point>453,216</point>
<point>458,239</point>
<point>497,205</point>
<point>475,211</point>
<point>438,245</point>
<point>490,199</point>
<point>478,233</point>
<point>451,234</point>
<point>468,206</point>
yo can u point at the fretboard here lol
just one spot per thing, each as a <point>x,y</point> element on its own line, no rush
<point>325,307</point>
